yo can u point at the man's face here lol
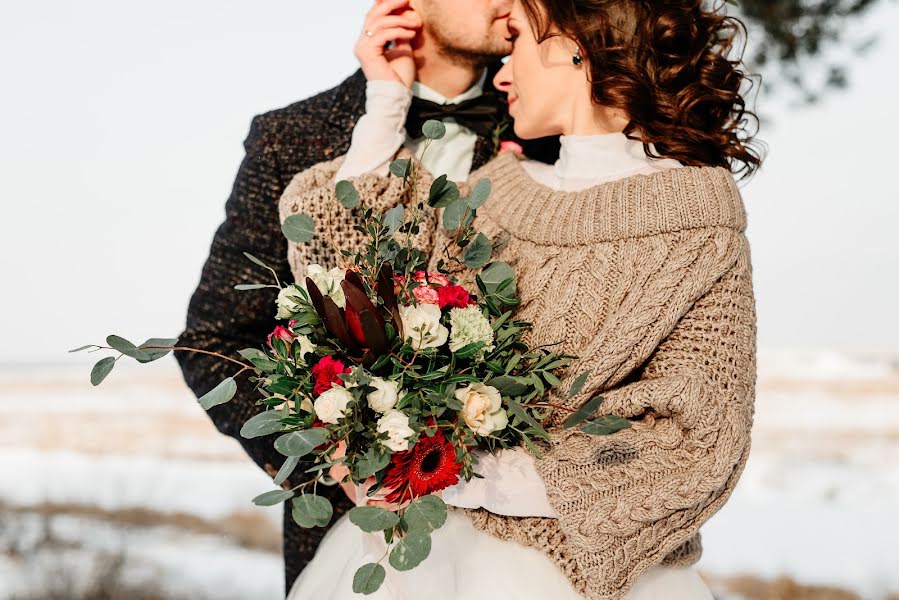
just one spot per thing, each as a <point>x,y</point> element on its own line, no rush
<point>472,30</point>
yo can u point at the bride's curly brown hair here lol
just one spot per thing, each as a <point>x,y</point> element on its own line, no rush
<point>669,66</point>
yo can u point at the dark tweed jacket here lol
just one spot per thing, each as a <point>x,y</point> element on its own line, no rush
<point>280,144</point>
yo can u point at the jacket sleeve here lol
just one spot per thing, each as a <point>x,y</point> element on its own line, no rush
<point>628,499</point>
<point>224,320</point>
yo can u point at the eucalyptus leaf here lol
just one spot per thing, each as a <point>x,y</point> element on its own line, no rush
<point>510,385</point>
<point>156,353</point>
<point>373,518</point>
<point>588,408</point>
<point>273,497</point>
<point>286,469</point>
<point>347,194</point>
<point>410,551</point>
<point>310,510</point>
<point>433,129</point>
<point>264,423</point>
<point>220,394</point>
<point>401,167</point>
<point>371,462</point>
<point>443,192</point>
<point>393,218</point>
<point>425,514</point>
<point>256,260</point>
<point>298,228</point>
<point>301,443</point>
<point>516,409</point>
<point>478,252</point>
<point>101,370</point>
<point>368,578</point>
<point>453,213</point>
<point>126,347</point>
<point>252,286</point>
<point>79,349</point>
<point>252,353</point>
<point>479,194</point>
<point>495,274</point>
<point>605,425</point>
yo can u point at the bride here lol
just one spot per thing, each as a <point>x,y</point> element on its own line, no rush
<point>631,251</point>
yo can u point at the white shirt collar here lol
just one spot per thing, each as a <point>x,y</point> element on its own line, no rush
<point>424,92</point>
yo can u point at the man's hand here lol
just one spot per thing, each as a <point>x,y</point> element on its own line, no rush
<point>389,21</point>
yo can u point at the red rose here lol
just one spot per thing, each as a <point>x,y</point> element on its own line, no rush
<point>281,333</point>
<point>325,372</point>
<point>452,296</point>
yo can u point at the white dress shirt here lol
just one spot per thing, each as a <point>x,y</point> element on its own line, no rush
<point>381,131</point>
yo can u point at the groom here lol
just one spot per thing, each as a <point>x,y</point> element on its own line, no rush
<point>454,42</point>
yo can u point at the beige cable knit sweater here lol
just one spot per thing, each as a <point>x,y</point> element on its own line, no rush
<point>648,279</point>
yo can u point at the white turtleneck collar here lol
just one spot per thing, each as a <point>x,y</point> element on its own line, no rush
<point>588,160</point>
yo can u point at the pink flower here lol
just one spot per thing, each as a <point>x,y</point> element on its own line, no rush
<point>510,146</point>
<point>420,276</point>
<point>282,333</point>
<point>426,295</point>
<point>438,279</point>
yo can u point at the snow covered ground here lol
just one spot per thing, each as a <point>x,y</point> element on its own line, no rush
<point>128,489</point>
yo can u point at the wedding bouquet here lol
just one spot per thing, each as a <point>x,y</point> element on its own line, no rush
<point>393,372</point>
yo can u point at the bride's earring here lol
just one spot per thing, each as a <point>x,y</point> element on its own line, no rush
<point>576,59</point>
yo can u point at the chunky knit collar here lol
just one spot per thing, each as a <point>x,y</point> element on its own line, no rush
<point>631,207</point>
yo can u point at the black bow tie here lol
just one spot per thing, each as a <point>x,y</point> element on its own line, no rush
<point>478,114</point>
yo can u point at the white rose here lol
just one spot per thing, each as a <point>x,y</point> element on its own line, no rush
<point>396,425</point>
<point>385,395</point>
<point>331,404</point>
<point>422,324</point>
<point>306,345</point>
<point>481,408</point>
<point>286,306</point>
<point>328,282</point>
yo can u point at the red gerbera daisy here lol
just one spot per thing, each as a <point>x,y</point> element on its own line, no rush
<point>428,467</point>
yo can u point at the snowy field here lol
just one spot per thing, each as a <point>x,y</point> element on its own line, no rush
<point>128,491</point>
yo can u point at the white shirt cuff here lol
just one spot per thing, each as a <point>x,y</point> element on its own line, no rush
<point>380,132</point>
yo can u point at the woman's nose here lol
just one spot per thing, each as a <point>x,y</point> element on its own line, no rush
<point>503,78</point>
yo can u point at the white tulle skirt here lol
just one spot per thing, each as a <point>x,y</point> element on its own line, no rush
<point>465,564</point>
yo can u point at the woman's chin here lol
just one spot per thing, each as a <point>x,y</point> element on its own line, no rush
<point>523,130</point>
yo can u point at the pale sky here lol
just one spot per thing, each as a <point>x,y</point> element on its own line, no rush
<point>122,126</point>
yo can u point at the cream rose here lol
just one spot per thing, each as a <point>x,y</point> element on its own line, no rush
<point>482,408</point>
<point>328,282</point>
<point>385,395</point>
<point>396,425</point>
<point>331,404</point>
<point>422,324</point>
<point>286,306</point>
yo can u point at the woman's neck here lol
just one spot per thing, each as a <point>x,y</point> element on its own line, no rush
<point>588,118</point>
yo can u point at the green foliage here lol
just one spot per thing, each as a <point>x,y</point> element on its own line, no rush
<point>298,228</point>
<point>220,394</point>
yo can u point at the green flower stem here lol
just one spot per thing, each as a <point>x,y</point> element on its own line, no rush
<point>187,349</point>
